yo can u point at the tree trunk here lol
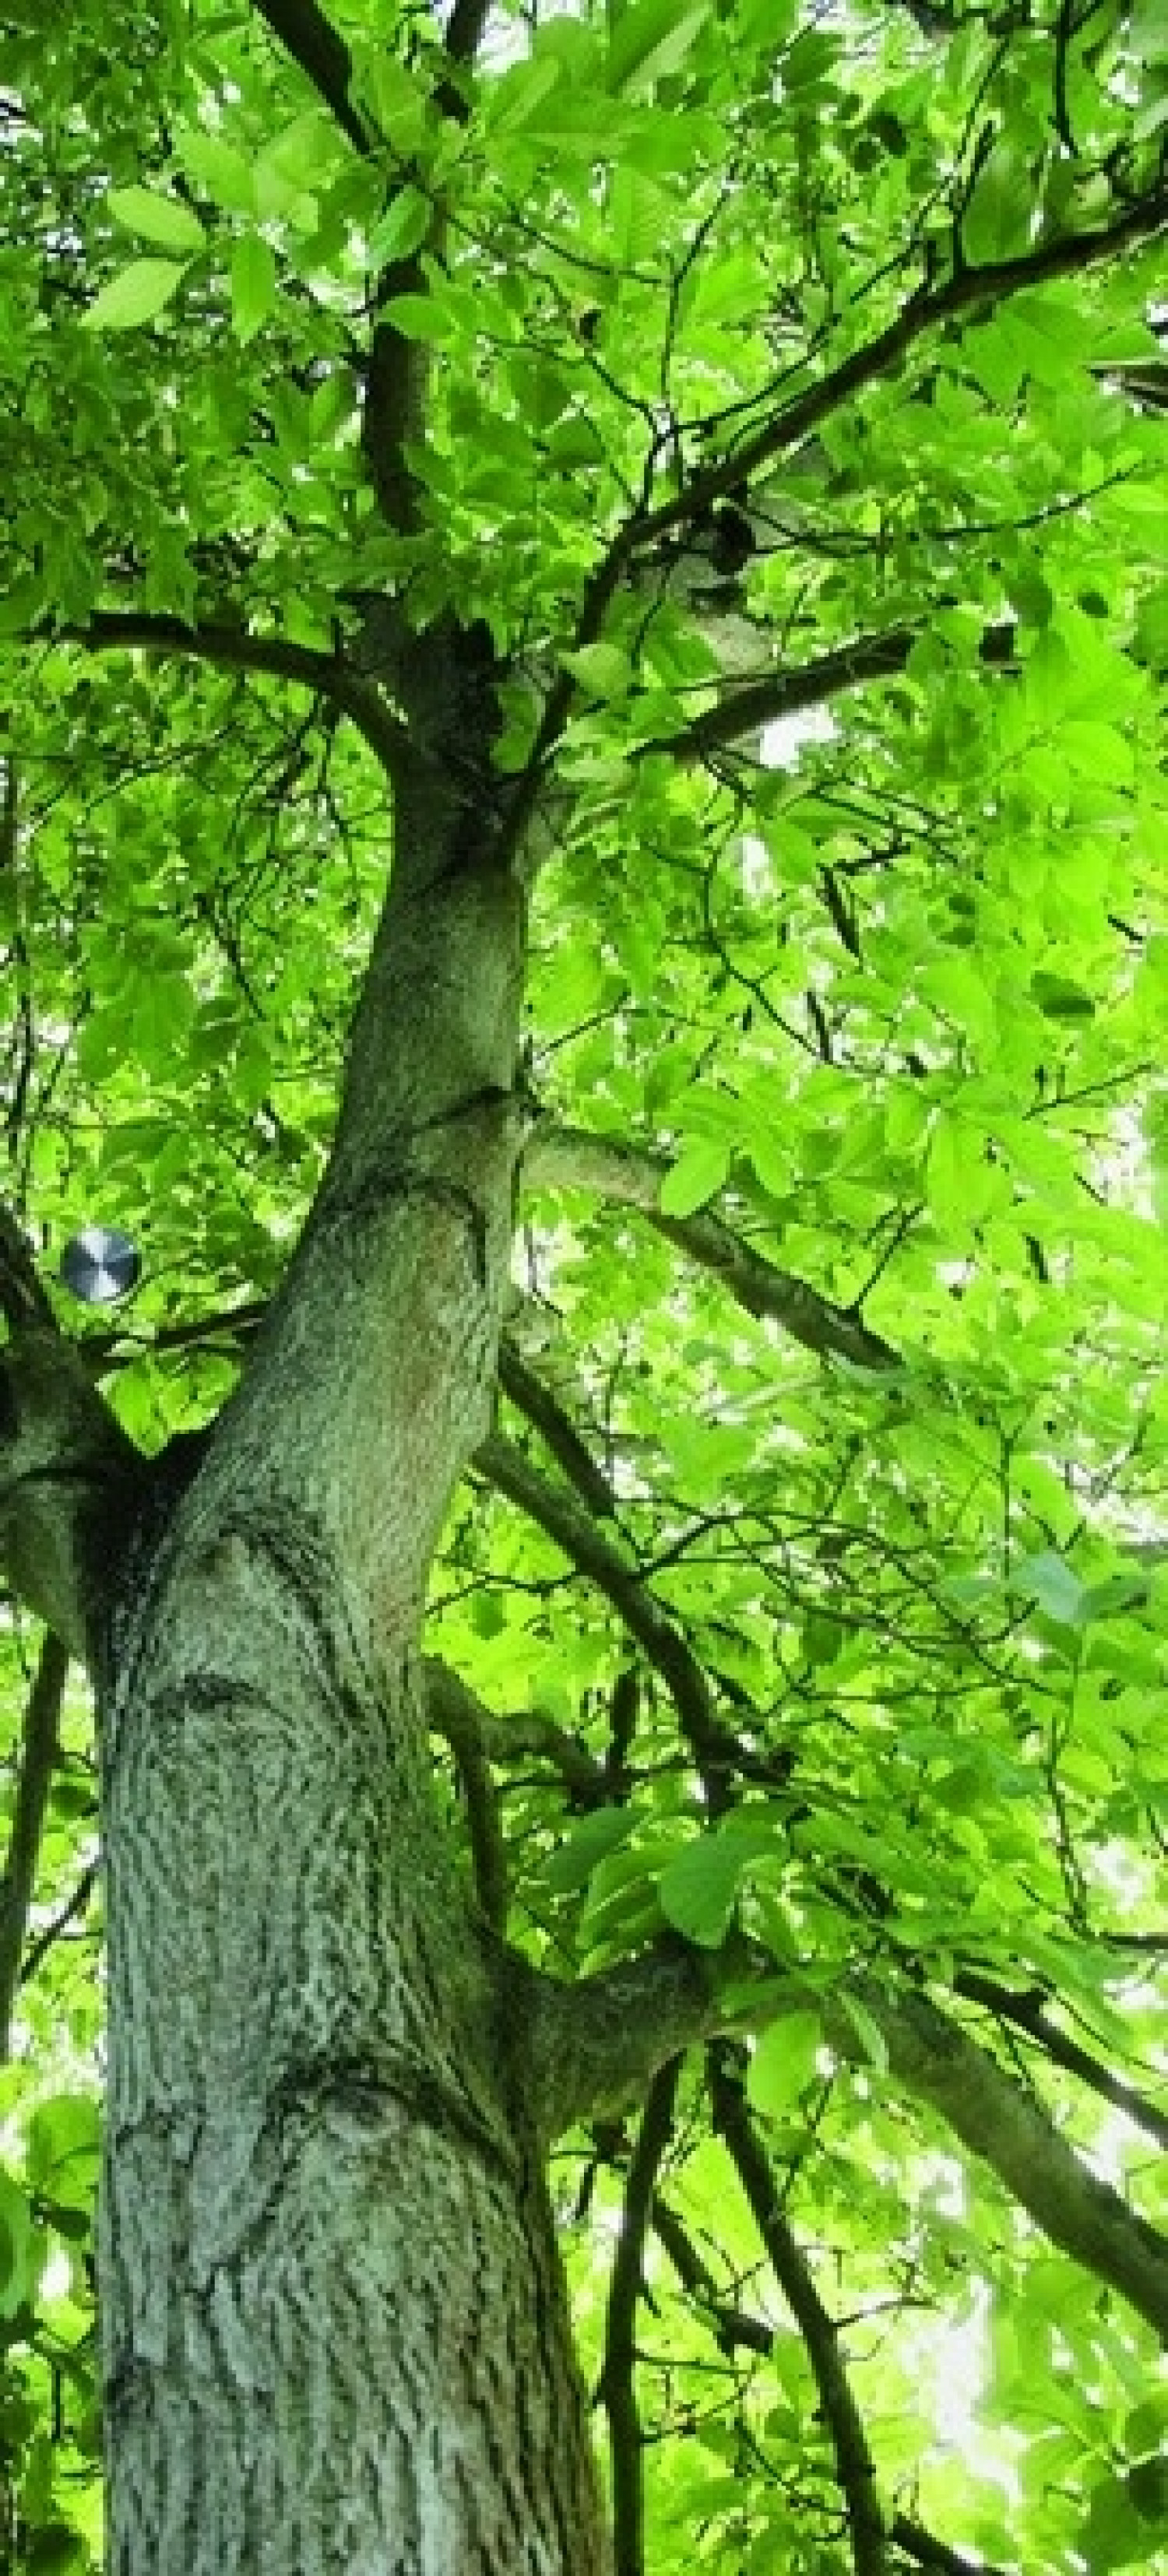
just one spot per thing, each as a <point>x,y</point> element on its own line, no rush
<point>334,2323</point>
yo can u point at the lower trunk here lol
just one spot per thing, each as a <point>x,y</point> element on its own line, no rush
<point>334,2322</point>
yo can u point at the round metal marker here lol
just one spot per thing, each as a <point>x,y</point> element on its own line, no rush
<point>100,1265</point>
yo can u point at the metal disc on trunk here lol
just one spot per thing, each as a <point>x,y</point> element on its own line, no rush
<point>100,1264</point>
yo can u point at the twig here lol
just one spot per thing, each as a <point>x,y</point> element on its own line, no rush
<point>618,2385</point>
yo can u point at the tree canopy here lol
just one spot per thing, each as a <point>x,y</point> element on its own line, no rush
<point>777,393</point>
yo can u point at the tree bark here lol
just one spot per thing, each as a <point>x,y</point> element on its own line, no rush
<point>334,2324</point>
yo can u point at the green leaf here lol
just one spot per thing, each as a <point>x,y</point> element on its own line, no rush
<point>588,1843</point>
<point>1050,1581</point>
<point>55,2549</point>
<point>996,223</point>
<point>165,220</point>
<point>1146,2427</point>
<point>1059,999</point>
<point>514,100</point>
<point>699,1889</point>
<point>417,317</point>
<point>224,172</point>
<point>396,97</point>
<point>697,1175</point>
<point>21,2246</point>
<point>867,2029</point>
<point>138,294</point>
<point>298,158</point>
<point>401,229</point>
<point>21,605</point>
<point>63,2147</point>
<point>783,2063</point>
<point>1115,2533</point>
<point>602,669</point>
<point>650,39</point>
<point>253,284</point>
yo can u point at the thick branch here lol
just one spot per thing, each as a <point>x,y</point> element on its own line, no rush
<point>399,368</point>
<point>574,1159</point>
<point>855,2467</point>
<point>638,2015</point>
<point>24,1300</point>
<point>998,2122</point>
<point>466,29</point>
<point>37,1757</point>
<point>67,1472</point>
<point>747,706</point>
<point>231,648</point>
<point>388,1316</point>
<point>925,310</point>
<point>324,58</point>
<point>592,2049</point>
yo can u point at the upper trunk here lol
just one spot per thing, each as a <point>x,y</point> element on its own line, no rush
<point>334,2323</point>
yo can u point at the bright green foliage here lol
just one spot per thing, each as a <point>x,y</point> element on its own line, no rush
<point>894,1009</point>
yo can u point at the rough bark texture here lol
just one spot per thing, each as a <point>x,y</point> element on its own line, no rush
<point>334,2323</point>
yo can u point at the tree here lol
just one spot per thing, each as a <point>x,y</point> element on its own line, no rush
<point>616,1543</point>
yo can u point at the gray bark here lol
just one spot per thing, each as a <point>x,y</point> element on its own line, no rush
<point>334,2324</point>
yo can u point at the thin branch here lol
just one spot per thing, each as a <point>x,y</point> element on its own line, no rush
<point>854,2465</point>
<point>66,1914</point>
<point>456,1712</point>
<point>512,1736</point>
<point>618,2378</point>
<point>323,57</point>
<point>573,1158</point>
<point>233,649</point>
<point>38,1754</point>
<point>935,2555</point>
<point>1027,2012</point>
<point>509,1738</point>
<point>546,1415</point>
<point>599,1558</point>
<point>732,2326</point>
